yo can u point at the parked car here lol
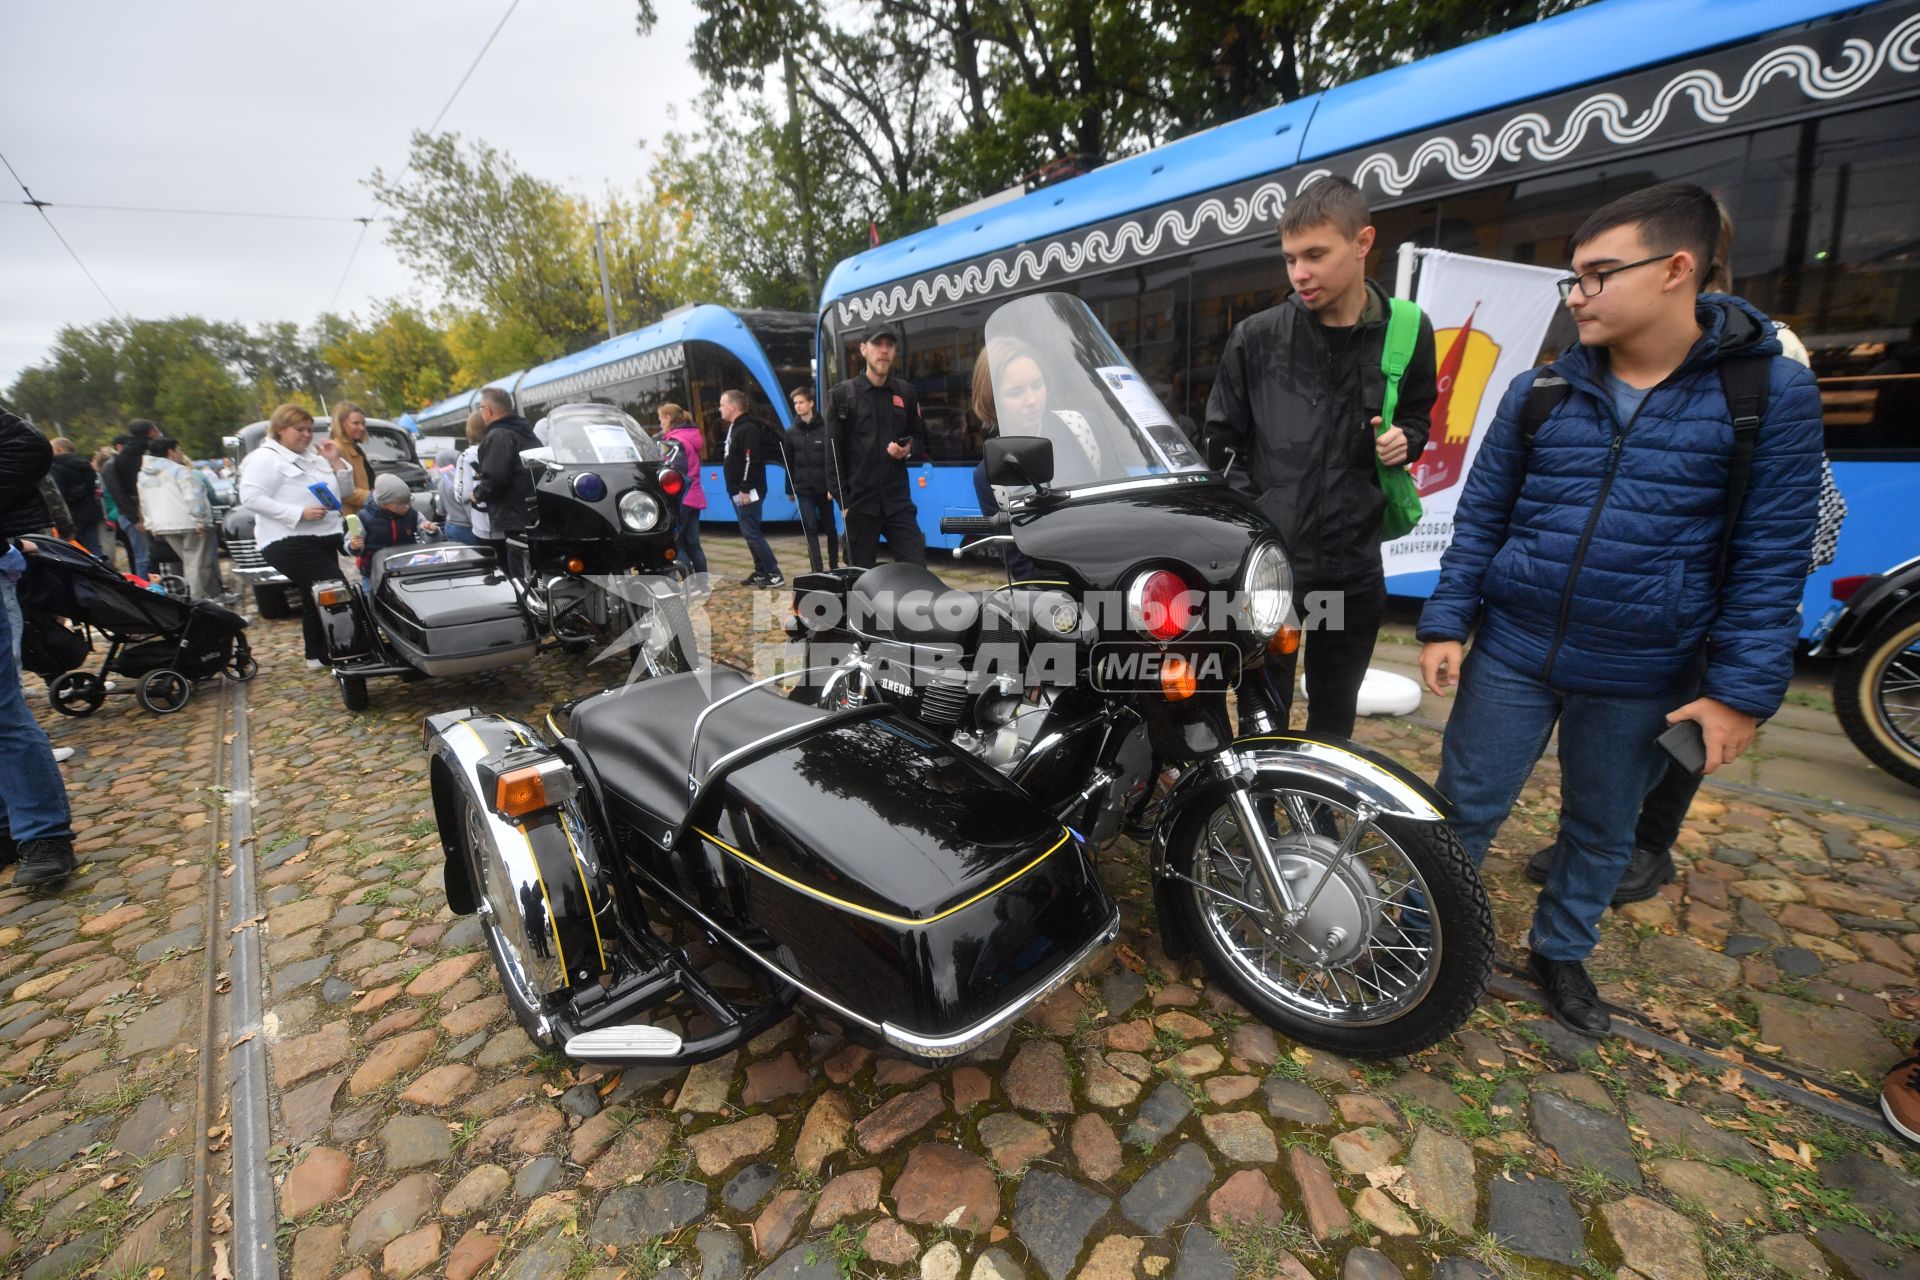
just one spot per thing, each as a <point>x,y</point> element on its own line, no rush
<point>390,451</point>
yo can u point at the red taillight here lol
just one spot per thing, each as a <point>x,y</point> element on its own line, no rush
<point>1843,588</point>
<point>672,482</point>
<point>1157,605</point>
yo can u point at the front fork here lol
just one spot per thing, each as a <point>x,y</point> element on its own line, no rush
<point>1287,911</point>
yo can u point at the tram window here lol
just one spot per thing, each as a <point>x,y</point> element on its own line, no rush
<point>937,359</point>
<point>1825,241</point>
<point>711,370</point>
<point>640,398</point>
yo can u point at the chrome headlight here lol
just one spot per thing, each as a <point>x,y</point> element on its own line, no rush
<point>1266,591</point>
<point>639,511</point>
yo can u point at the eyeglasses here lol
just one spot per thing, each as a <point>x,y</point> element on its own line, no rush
<point>1592,282</point>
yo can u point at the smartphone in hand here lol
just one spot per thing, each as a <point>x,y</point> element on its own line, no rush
<point>1686,745</point>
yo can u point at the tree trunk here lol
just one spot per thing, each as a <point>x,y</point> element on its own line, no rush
<point>803,177</point>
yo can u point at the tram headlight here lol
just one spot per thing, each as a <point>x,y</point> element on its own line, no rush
<point>1266,591</point>
<point>639,511</point>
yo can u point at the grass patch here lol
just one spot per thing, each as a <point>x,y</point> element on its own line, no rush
<point>1256,1248</point>
<point>847,1247</point>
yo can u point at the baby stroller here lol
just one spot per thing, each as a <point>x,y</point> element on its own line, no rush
<point>164,643</point>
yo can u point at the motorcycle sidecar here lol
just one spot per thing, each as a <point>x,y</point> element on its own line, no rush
<point>916,896</point>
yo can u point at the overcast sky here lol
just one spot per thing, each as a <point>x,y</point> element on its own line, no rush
<point>284,108</point>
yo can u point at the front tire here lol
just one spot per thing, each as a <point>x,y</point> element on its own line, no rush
<point>1876,694</point>
<point>275,602</point>
<point>1415,931</point>
<point>353,692</point>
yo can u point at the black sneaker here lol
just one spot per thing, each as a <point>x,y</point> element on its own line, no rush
<point>1641,880</point>
<point>1644,876</point>
<point>774,580</point>
<point>44,861</point>
<point>1540,865</point>
<point>754,580</point>
<point>9,851</point>
<point>1571,997</point>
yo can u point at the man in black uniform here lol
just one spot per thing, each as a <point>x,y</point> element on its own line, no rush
<point>876,431</point>
<point>1298,397</point>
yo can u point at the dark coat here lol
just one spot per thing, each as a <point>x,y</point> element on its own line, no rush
<point>1293,399</point>
<point>25,459</point>
<point>121,476</point>
<point>808,457</point>
<point>1588,560</point>
<point>381,528</point>
<point>750,445</point>
<point>79,485</point>
<point>862,419</point>
<point>502,485</point>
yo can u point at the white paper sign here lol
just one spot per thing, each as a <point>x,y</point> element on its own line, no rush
<point>1489,319</point>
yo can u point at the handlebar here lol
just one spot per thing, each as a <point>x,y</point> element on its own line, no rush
<point>975,524</point>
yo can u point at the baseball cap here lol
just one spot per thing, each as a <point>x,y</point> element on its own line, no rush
<point>881,329</point>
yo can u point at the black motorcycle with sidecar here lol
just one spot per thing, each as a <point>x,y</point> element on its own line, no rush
<point>588,569</point>
<point>905,841</point>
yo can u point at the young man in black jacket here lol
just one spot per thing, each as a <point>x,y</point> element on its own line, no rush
<point>810,471</point>
<point>502,485</point>
<point>875,428</point>
<point>1297,400</point>
<point>750,445</point>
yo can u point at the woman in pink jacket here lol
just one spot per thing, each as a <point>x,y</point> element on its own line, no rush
<point>676,427</point>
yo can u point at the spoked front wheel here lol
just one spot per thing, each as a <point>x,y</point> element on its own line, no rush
<point>1395,945</point>
<point>1876,693</point>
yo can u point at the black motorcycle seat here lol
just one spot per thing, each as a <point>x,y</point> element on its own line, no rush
<point>638,738</point>
<point>908,603</point>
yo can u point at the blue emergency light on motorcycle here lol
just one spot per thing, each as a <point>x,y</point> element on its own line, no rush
<point>589,487</point>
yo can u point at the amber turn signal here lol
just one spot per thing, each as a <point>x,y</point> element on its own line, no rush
<point>331,597</point>
<point>1178,680</point>
<point>576,565</point>
<point>1285,640</point>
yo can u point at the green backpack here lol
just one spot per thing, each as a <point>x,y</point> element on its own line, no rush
<point>1403,499</point>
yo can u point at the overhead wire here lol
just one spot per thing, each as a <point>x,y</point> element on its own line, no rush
<point>431,129</point>
<point>40,207</point>
<point>198,213</point>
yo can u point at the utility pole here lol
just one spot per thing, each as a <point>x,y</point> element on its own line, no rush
<point>606,289</point>
<point>797,144</point>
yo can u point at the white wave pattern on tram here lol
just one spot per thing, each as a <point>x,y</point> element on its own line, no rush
<point>1527,135</point>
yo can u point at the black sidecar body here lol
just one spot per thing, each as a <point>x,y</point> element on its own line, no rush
<point>852,860</point>
<point>436,610</point>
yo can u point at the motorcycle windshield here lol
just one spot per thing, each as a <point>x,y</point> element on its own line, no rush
<point>596,433</point>
<point>1055,373</point>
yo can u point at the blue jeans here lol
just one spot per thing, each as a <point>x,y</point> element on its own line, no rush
<point>763,561</point>
<point>462,533</point>
<point>686,539</point>
<point>1501,721</point>
<point>816,517</point>
<point>33,804</point>
<point>137,542</point>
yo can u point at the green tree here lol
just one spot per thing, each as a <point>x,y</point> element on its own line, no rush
<point>399,362</point>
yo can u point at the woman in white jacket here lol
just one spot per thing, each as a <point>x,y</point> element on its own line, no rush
<point>174,506</point>
<point>295,531</point>
<point>482,524</point>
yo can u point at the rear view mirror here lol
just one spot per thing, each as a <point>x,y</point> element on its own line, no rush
<point>1016,460</point>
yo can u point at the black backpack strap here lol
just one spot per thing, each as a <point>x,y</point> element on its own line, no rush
<point>1548,392</point>
<point>1743,379</point>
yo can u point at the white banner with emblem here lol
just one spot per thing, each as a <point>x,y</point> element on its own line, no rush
<point>1489,319</point>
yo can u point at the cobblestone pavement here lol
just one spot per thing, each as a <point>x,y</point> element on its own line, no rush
<point>1137,1124</point>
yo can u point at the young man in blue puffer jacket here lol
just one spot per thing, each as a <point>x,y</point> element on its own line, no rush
<point>1588,561</point>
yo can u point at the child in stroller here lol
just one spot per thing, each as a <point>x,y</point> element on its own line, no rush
<point>167,644</point>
